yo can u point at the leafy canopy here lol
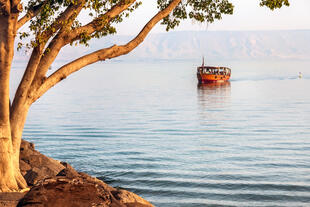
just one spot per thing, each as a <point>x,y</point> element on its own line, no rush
<point>51,10</point>
<point>274,4</point>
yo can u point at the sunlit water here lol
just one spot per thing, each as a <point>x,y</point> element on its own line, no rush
<point>147,127</point>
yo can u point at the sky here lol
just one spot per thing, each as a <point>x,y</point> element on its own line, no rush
<point>248,15</point>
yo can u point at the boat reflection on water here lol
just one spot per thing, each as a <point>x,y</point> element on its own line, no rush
<point>213,85</point>
<point>213,97</point>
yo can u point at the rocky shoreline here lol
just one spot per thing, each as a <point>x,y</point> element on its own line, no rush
<point>57,184</point>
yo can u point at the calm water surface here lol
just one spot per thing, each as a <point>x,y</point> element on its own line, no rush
<point>147,127</point>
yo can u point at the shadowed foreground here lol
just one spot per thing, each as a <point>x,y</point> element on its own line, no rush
<point>55,183</point>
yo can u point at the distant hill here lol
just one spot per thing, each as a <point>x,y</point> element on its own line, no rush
<point>258,45</point>
<point>227,45</point>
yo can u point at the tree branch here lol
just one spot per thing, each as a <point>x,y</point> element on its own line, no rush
<point>103,54</point>
<point>30,14</point>
<point>99,23</point>
<point>16,7</point>
<point>15,3</point>
<point>61,19</point>
<point>52,51</point>
<point>5,7</point>
<point>21,95</point>
<point>61,40</point>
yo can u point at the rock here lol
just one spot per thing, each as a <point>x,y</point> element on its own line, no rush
<point>36,166</point>
<point>24,167</point>
<point>68,171</point>
<point>10,199</point>
<point>82,191</point>
<point>31,176</point>
<point>130,199</point>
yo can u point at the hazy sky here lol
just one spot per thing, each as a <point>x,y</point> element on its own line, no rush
<point>248,15</point>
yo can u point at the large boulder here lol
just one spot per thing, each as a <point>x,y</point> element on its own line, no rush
<point>81,191</point>
<point>35,166</point>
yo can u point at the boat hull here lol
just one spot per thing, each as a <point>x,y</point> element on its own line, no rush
<point>206,78</point>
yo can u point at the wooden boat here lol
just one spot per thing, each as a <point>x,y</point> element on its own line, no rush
<point>206,74</point>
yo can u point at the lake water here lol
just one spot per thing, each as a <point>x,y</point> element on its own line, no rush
<point>147,127</point>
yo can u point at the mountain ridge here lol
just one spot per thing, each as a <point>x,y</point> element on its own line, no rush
<point>214,45</point>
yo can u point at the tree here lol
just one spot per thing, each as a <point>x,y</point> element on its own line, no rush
<point>48,26</point>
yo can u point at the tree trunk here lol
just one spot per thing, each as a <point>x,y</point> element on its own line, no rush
<point>10,177</point>
<point>18,119</point>
<point>7,172</point>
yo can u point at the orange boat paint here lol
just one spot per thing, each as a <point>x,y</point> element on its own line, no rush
<point>206,74</point>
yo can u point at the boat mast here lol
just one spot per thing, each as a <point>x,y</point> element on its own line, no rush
<point>203,61</point>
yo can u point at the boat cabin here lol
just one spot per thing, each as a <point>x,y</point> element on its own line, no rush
<point>213,70</point>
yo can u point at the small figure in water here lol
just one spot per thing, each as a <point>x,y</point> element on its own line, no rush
<point>299,75</point>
